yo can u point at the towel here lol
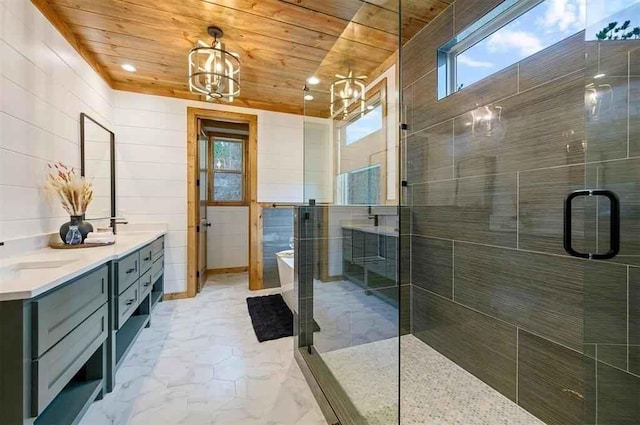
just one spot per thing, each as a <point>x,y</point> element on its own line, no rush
<point>100,234</point>
<point>100,240</point>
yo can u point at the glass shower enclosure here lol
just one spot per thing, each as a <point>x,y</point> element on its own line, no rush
<point>468,252</point>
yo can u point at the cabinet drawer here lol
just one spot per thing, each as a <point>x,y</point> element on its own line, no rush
<point>391,247</point>
<point>128,272</point>
<point>347,249</point>
<point>127,303</point>
<point>58,313</point>
<point>157,248</point>
<point>157,269</point>
<point>145,284</point>
<point>357,241</point>
<point>146,259</point>
<point>372,244</point>
<point>53,371</point>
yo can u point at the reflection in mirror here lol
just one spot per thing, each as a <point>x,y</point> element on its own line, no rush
<point>97,155</point>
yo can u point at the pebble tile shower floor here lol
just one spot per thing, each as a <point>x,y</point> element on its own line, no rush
<point>434,391</point>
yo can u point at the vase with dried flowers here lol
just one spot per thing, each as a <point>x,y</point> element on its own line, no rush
<point>75,194</point>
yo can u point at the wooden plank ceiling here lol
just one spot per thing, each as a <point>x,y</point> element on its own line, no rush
<point>280,42</point>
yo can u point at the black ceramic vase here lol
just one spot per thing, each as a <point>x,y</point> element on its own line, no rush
<point>83,227</point>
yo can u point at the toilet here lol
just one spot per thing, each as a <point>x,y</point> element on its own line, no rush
<point>285,272</point>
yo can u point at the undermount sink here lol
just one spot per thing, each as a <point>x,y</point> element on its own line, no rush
<point>13,271</point>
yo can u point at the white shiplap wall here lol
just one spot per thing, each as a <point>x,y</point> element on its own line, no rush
<point>44,85</point>
<point>228,237</point>
<point>151,136</point>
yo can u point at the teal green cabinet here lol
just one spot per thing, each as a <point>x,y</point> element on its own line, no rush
<point>59,351</point>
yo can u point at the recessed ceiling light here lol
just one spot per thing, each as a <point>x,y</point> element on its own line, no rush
<point>313,80</point>
<point>599,75</point>
<point>308,97</point>
<point>128,67</point>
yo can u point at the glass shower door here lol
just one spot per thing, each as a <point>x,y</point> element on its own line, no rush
<point>506,325</point>
<point>347,236</point>
<point>349,292</point>
<point>612,164</point>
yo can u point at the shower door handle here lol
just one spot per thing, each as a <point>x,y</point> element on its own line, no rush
<point>614,227</point>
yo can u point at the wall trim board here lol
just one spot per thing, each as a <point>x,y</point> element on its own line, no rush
<point>330,279</point>
<point>226,270</point>
<point>175,296</point>
<point>193,202</point>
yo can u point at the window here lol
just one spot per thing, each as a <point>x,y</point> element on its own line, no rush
<point>364,125</point>
<point>227,171</point>
<point>508,34</point>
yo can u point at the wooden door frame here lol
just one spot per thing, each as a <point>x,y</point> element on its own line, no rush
<point>193,213</point>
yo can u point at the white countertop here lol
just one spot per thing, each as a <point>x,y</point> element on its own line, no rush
<point>31,282</point>
<point>379,230</point>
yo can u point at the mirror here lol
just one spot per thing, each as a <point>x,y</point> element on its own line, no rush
<point>97,159</point>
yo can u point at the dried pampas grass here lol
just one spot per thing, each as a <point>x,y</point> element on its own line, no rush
<point>74,192</point>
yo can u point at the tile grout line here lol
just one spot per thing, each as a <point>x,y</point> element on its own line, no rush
<point>554,167</point>
<point>596,379</point>
<point>529,331</point>
<point>518,210</point>
<point>529,89</point>
<point>510,248</point>
<point>597,205</point>
<point>517,365</point>
<point>453,270</point>
<point>484,314</point>
<point>453,148</point>
<point>628,341</point>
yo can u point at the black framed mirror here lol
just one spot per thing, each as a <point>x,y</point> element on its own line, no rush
<point>98,164</point>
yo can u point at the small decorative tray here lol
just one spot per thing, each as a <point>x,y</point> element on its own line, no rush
<point>62,245</point>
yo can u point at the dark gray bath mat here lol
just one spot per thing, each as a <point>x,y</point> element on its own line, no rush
<point>271,317</point>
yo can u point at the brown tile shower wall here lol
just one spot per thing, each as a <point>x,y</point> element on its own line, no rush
<point>491,286</point>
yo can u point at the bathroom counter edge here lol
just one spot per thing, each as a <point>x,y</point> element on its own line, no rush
<point>81,261</point>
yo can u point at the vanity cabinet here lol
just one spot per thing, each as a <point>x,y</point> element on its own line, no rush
<point>59,312</point>
<point>53,352</point>
<point>138,287</point>
<point>369,259</point>
<point>59,350</point>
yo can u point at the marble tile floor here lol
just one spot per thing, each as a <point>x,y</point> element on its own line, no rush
<point>434,390</point>
<point>349,316</point>
<point>200,364</point>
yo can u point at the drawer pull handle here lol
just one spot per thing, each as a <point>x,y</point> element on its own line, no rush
<point>131,301</point>
<point>147,258</point>
<point>147,284</point>
<point>131,270</point>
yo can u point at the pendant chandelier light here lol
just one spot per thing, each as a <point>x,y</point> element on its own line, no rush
<point>213,71</point>
<point>346,91</point>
